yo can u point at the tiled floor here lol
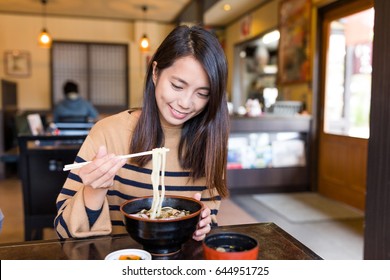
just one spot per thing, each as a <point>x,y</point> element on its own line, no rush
<point>331,239</point>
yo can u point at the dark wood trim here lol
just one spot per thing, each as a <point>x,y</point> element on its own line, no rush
<point>377,225</point>
<point>8,109</point>
<point>192,12</point>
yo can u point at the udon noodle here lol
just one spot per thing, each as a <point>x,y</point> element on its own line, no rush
<point>159,157</point>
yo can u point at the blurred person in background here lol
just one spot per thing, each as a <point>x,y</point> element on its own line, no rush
<point>74,107</point>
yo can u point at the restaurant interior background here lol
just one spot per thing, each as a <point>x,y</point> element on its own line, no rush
<point>255,66</point>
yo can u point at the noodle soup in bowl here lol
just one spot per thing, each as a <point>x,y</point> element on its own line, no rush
<point>161,236</point>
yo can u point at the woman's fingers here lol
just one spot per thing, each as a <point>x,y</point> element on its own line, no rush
<point>102,151</point>
<point>101,171</point>
<point>197,196</point>
<point>104,174</point>
<point>107,178</point>
<point>204,225</point>
<point>200,233</point>
<point>206,213</point>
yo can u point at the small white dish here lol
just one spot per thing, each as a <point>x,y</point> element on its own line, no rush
<point>144,255</point>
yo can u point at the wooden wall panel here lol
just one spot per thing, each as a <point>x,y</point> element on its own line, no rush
<point>342,169</point>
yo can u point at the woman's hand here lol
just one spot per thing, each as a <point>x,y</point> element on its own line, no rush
<point>98,176</point>
<point>203,227</point>
<point>101,171</point>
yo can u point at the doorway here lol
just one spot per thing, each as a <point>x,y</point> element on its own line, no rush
<point>345,91</point>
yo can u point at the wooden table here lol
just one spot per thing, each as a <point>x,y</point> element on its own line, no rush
<point>275,244</point>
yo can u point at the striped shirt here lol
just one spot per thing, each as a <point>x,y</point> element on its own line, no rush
<point>131,181</point>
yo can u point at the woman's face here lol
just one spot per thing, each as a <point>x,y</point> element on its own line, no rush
<point>182,91</point>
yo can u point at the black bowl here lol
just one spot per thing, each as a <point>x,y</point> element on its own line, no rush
<point>159,236</point>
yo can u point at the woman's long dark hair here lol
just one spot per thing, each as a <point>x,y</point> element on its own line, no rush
<point>203,144</point>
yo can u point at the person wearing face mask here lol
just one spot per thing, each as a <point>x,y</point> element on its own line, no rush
<point>73,106</point>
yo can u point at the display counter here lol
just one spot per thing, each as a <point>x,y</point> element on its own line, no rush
<point>269,154</point>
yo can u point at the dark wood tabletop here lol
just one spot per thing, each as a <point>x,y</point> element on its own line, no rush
<point>274,243</point>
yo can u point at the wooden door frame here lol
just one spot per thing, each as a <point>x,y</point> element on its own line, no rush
<point>377,218</point>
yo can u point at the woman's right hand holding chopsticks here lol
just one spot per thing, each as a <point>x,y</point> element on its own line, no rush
<point>98,176</point>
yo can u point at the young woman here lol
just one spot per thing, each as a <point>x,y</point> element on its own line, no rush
<point>185,110</point>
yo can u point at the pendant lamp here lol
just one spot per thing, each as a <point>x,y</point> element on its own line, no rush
<point>144,42</point>
<point>44,39</point>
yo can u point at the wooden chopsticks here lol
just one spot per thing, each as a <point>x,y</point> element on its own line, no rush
<point>81,164</point>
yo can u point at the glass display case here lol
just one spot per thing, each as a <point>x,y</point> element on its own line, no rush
<point>265,150</point>
<point>269,154</point>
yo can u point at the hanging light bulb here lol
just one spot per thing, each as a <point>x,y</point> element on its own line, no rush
<point>44,39</point>
<point>144,42</point>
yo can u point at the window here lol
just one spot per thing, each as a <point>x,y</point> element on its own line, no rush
<point>348,75</point>
<point>99,69</point>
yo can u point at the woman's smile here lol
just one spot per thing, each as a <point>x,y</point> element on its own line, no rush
<point>177,114</point>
